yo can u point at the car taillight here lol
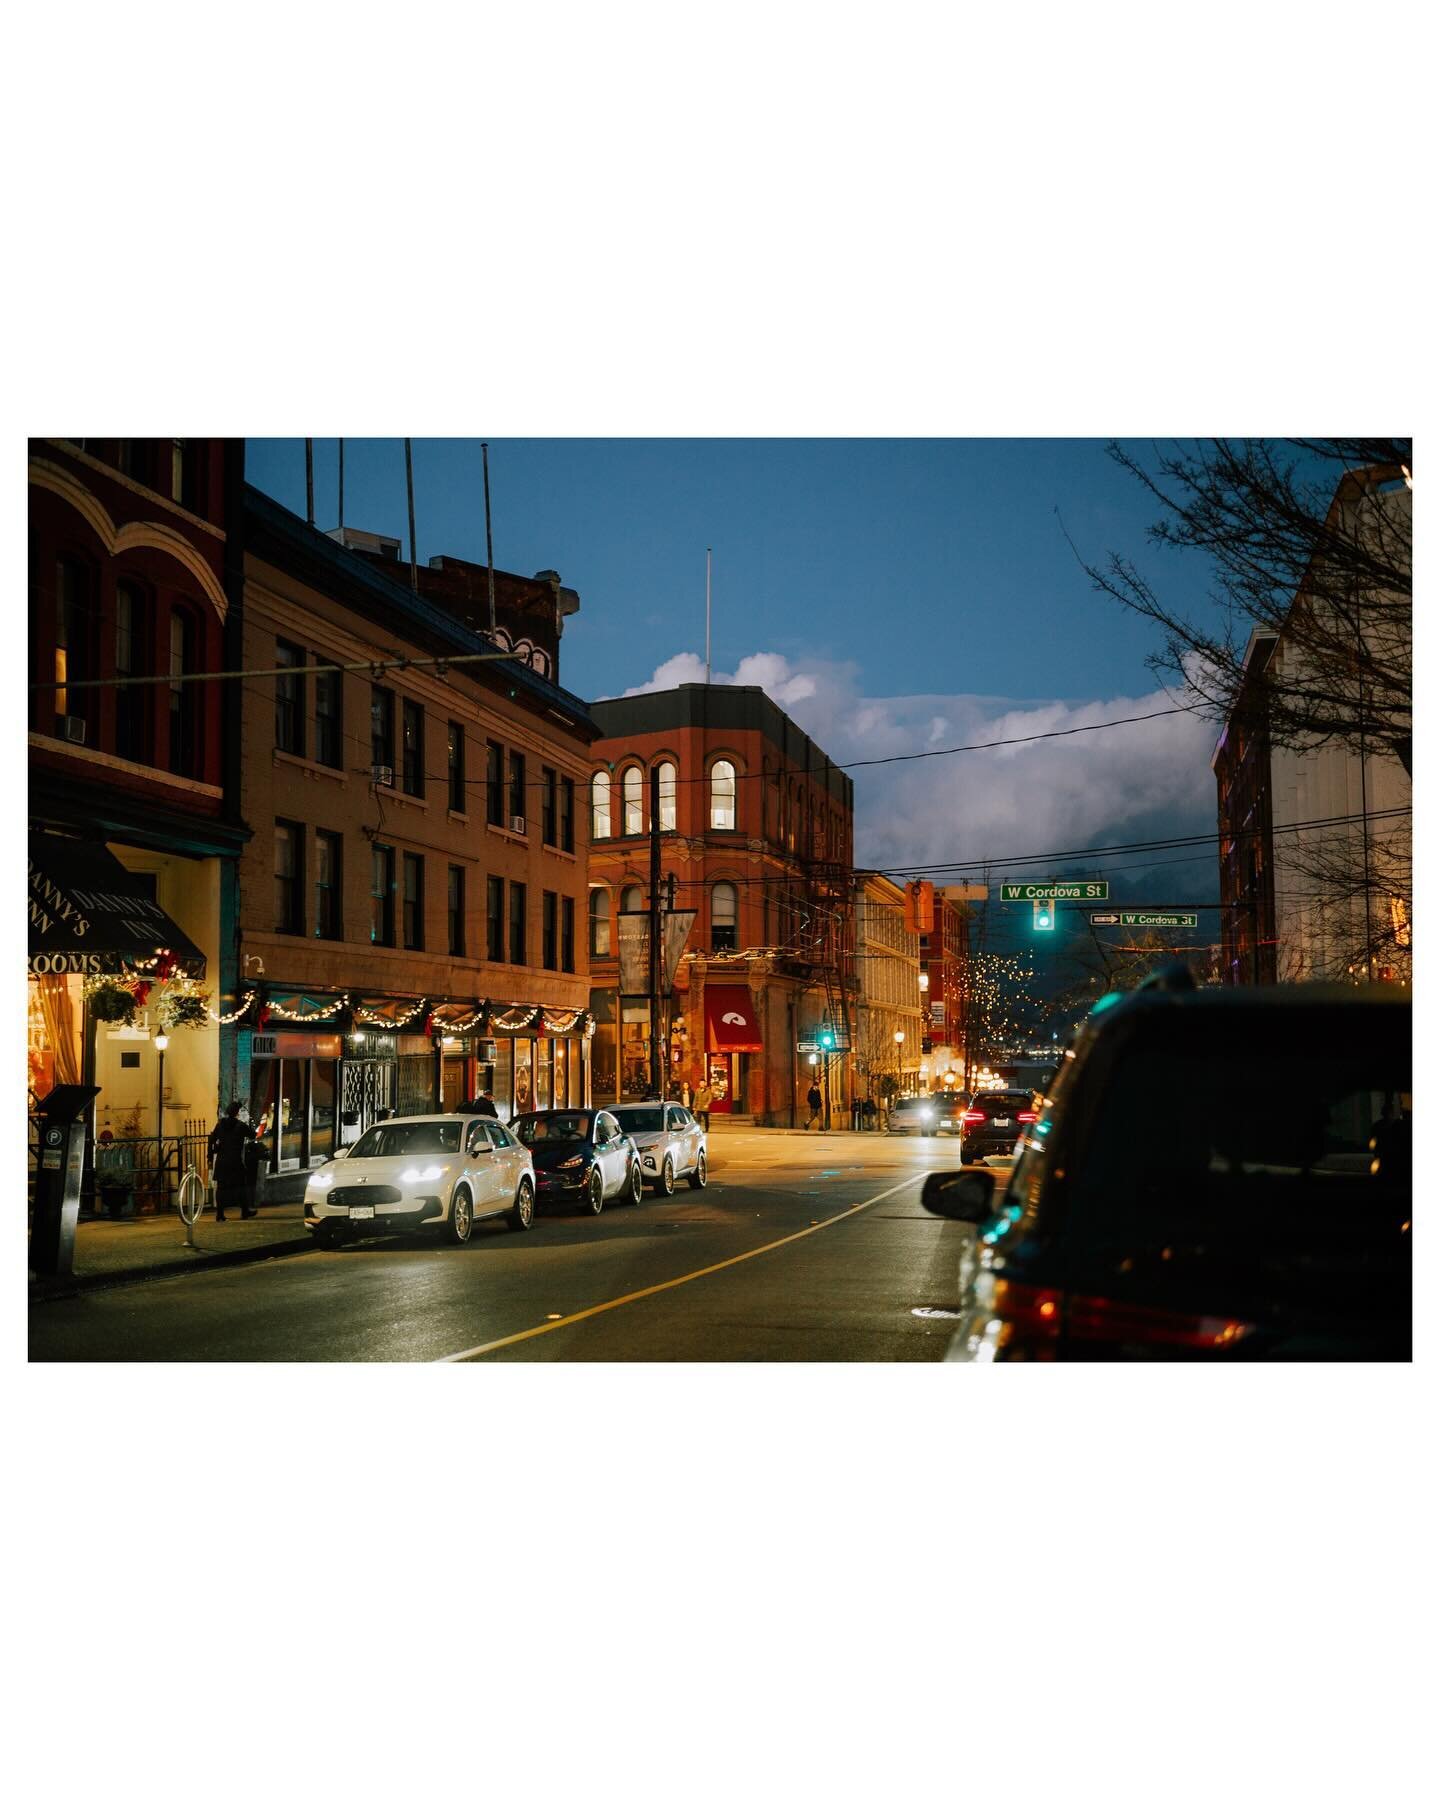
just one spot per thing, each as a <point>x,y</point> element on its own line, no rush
<point>1030,1312</point>
<point>1027,1118</point>
<point>1091,1316</point>
<point>975,1118</point>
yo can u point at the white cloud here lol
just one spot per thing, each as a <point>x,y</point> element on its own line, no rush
<point>1135,781</point>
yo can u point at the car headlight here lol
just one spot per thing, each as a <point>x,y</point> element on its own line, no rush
<point>926,1115</point>
<point>321,1178</point>
<point>572,1162</point>
<point>433,1173</point>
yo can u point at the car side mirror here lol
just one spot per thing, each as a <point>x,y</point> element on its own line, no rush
<point>969,1195</point>
<point>341,1150</point>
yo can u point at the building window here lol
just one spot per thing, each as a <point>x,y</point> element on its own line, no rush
<point>184,708</point>
<point>382,728</point>
<point>132,704</point>
<point>632,786</point>
<point>599,805</point>
<point>495,918</point>
<point>327,718</point>
<point>724,908</point>
<point>74,643</point>
<point>132,458</point>
<point>289,712</point>
<point>455,765</point>
<point>327,884</point>
<point>599,921</point>
<point>289,861</point>
<point>549,807</point>
<point>412,748</point>
<point>455,907</point>
<point>722,797</point>
<point>517,789</point>
<point>382,895</point>
<point>494,782</point>
<point>413,921</point>
<point>667,796</point>
<point>549,930</point>
<point>632,900</point>
<point>517,921</point>
<point>567,813</point>
<point>567,934</point>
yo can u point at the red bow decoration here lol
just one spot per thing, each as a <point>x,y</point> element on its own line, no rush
<point>141,991</point>
<point>166,965</point>
<point>429,1026</point>
<point>262,1018</point>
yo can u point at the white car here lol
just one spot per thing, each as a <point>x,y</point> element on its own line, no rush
<point>437,1169</point>
<point>916,1112</point>
<point>670,1141</point>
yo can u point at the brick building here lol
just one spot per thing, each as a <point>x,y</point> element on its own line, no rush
<point>944,967</point>
<point>890,1025</point>
<point>412,902</point>
<point>757,829</point>
<point>133,791</point>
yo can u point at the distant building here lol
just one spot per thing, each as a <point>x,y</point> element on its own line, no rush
<point>944,980</point>
<point>757,828</point>
<point>891,1023</point>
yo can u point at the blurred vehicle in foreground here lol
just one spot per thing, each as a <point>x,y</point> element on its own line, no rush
<point>1220,1173</point>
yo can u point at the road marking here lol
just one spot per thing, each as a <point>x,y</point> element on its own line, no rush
<point>519,1337</point>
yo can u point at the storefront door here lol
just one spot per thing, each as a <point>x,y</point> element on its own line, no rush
<point>718,1073</point>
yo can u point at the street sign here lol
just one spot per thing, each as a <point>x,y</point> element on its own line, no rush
<point>1104,918</point>
<point>1054,890</point>
<point>1162,919</point>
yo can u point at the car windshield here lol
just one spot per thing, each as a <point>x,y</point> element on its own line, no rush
<point>639,1118</point>
<point>553,1127</point>
<point>912,1102</point>
<point>405,1137</point>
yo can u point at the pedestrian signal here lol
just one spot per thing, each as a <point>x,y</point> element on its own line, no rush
<point>1043,918</point>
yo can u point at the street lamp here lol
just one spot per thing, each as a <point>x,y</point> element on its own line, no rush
<point>161,1043</point>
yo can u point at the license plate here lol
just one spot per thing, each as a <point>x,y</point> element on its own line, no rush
<point>998,1120</point>
<point>362,1212</point>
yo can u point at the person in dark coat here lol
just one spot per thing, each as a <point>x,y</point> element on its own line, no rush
<point>253,1156</point>
<point>227,1161</point>
<point>482,1105</point>
<point>814,1097</point>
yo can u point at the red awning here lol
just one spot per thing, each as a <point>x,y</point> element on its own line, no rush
<point>730,1022</point>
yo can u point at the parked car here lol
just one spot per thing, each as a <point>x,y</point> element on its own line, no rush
<point>1215,1173</point>
<point>670,1141</point>
<point>950,1110</point>
<point>437,1171</point>
<point>581,1155</point>
<point>917,1113</point>
<point>995,1121</point>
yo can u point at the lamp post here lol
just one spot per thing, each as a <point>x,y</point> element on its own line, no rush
<point>899,1066</point>
<point>161,1043</point>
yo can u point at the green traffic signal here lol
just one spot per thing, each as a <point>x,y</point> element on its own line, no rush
<point>1043,916</point>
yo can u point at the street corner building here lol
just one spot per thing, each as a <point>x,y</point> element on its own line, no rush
<point>411,895</point>
<point>134,824</point>
<point>756,835</point>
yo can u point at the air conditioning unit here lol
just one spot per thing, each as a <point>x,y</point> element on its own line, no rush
<point>517,823</point>
<point>382,775</point>
<point>72,728</point>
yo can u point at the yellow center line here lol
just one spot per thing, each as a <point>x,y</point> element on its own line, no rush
<point>519,1337</point>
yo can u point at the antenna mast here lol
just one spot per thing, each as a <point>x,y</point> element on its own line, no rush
<point>489,550</point>
<point>707,615</point>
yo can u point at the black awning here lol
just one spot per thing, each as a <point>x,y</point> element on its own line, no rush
<point>91,916</point>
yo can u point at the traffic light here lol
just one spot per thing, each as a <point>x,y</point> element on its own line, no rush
<point>827,1038</point>
<point>1043,918</point>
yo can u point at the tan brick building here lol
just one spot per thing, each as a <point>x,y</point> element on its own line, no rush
<point>412,902</point>
<point>757,829</point>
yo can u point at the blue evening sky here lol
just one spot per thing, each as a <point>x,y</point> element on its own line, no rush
<point>938,564</point>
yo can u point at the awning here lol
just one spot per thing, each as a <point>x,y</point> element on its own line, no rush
<point>91,916</point>
<point>730,1022</point>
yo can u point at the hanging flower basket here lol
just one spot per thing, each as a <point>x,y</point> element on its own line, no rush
<point>110,1000</point>
<point>187,1009</point>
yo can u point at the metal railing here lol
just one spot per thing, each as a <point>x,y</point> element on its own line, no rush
<point>149,1169</point>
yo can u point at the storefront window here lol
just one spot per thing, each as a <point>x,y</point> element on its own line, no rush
<point>292,1109</point>
<point>634,1050</point>
<point>562,1068</point>
<point>498,1074</point>
<point>322,1110</point>
<point>524,1077</point>
<point>603,1049</point>
<point>544,1063</point>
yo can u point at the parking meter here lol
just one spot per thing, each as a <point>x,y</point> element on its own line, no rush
<point>57,1181</point>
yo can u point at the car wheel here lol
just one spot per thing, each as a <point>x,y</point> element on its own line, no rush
<point>637,1184</point>
<point>966,1158</point>
<point>667,1177</point>
<point>595,1192</point>
<point>521,1215</point>
<point>697,1176</point>
<point>462,1216</point>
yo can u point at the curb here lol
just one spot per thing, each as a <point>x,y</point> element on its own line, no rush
<point>69,1287</point>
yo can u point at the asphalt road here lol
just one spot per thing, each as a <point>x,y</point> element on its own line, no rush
<point>800,1250</point>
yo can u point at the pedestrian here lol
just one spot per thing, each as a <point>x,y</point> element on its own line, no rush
<point>252,1168</point>
<point>855,1112</point>
<point>701,1104</point>
<point>482,1105</point>
<point>868,1111</point>
<point>814,1098</point>
<point>227,1161</point>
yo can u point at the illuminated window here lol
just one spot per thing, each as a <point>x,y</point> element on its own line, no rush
<point>667,796</point>
<point>599,921</point>
<point>600,805</point>
<point>722,797</point>
<point>632,784</point>
<point>724,910</point>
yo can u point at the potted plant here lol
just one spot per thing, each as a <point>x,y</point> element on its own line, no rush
<point>110,1000</point>
<point>117,1195</point>
<point>185,1009</point>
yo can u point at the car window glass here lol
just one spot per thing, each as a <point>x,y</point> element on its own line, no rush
<point>474,1138</point>
<point>674,1118</point>
<point>498,1136</point>
<point>401,1137</point>
<point>640,1118</point>
<point>604,1129</point>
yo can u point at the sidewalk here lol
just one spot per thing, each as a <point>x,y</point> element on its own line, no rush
<point>111,1251</point>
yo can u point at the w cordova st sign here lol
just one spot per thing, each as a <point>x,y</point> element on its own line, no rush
<point>1054,890</point>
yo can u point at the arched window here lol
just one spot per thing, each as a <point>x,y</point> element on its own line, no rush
<point>132,657</point>
<point>722,797</point>
<point>76,646</point>
<point>724,911</point>
<point>667,796</point>
<point>600,804</point>
<point>599,921</point>
<point>633,783</point>
<point>632,900</point>
<point>184,695</point>
<point>540,663</point>
<point>502,637</point>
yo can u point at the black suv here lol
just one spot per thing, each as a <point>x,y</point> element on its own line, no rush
<point>1214,1173</point>
<point>995,1121</point>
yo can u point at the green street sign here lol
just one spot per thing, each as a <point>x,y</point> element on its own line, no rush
<point>1160,919</point>
<point>1054,890</point>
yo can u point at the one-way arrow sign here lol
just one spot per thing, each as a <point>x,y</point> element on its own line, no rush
<point>1104,918</point>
